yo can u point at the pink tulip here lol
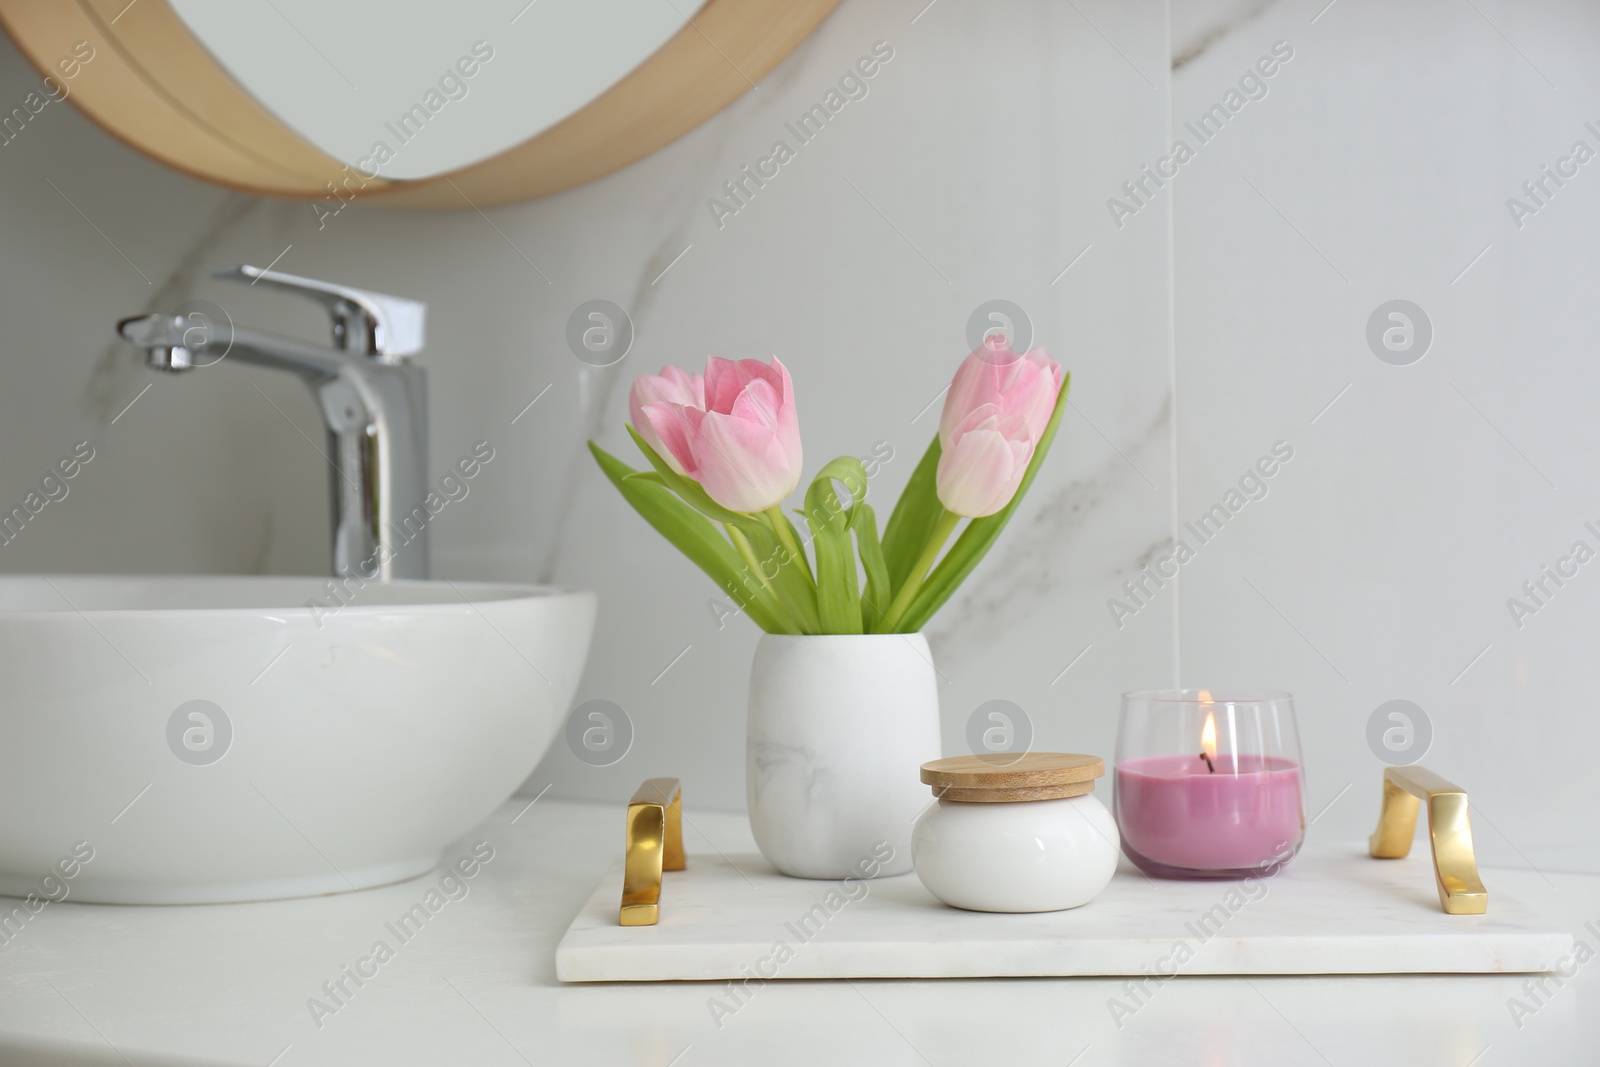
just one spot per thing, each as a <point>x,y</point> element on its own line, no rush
<point>1024,385</point>
<point>735,431</point>
<point>997,408</point>
<point>674,386</point>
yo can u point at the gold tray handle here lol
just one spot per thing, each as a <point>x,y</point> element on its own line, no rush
<point>654,842</point>
<point>1455,867</point>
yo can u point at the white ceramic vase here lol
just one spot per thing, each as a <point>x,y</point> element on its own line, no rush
<point>838,730</point>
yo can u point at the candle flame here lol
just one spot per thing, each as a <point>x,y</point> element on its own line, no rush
<point>1208,736</point>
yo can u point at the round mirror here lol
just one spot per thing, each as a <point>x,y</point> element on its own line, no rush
<point>461,105</point>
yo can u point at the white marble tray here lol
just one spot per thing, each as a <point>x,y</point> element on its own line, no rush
<point>1333,910</point>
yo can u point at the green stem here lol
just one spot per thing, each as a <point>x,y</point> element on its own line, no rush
<point>780,526</point>
<point>747,552</point>
<point>919,571</point>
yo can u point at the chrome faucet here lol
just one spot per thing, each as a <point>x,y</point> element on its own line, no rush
<point>374,403</point>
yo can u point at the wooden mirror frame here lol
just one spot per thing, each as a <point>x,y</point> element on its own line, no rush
<point>154,86</point>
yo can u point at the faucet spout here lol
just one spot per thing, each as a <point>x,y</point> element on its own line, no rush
<point>165,339</point>
<point>375,412</point>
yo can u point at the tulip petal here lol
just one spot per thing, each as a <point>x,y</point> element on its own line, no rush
<point>1023,384</point>
<point>1033,392</point>
<point>984,461</point>
<point>674,386</point>
<point>979,473</point>
<point>980,534</point>
<point>725,379</point>
<point>670,429</point>
<point>692,387</point>
<point>788,416</point>
<point>742,463</point>
<point>758,402</point>
<point>752,451</point>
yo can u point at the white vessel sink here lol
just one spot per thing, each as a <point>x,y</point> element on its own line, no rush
<point>353,742</point>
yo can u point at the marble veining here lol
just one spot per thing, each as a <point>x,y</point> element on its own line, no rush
<point>1204,23</point>
<point>1035,561</point>
<point>828,268</point>
<point>599,400</point>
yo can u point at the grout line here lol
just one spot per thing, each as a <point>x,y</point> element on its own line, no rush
<point>1174,501</point>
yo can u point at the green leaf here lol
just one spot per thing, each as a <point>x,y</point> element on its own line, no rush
<point>838,598</point>
<point>979,535</point>
<point>695,536</point>
<point>777,514</point>
<point>792,582</point>
<point>876,597</point>
<point>915,515</point>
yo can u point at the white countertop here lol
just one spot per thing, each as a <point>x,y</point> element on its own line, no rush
<point>230,984</point>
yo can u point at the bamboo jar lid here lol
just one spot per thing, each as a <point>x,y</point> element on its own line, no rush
<point>1006,777</point>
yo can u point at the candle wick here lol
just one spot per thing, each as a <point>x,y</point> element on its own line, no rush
<point>1209,765</point>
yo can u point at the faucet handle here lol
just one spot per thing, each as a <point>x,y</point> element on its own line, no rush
<point>382,327</point>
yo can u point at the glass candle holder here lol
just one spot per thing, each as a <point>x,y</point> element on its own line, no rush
<point>1209,785</point>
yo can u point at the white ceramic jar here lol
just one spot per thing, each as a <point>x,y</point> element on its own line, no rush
<point>1014,833</point>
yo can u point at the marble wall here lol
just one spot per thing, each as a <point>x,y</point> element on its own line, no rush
<point>1429,482</point>
<point>1204,320</point>
<point>974,169</point>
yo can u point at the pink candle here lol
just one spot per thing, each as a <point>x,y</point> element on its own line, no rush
<point>1175,812</point>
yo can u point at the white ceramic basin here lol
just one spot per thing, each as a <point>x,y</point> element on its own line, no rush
<point>353,743</point>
